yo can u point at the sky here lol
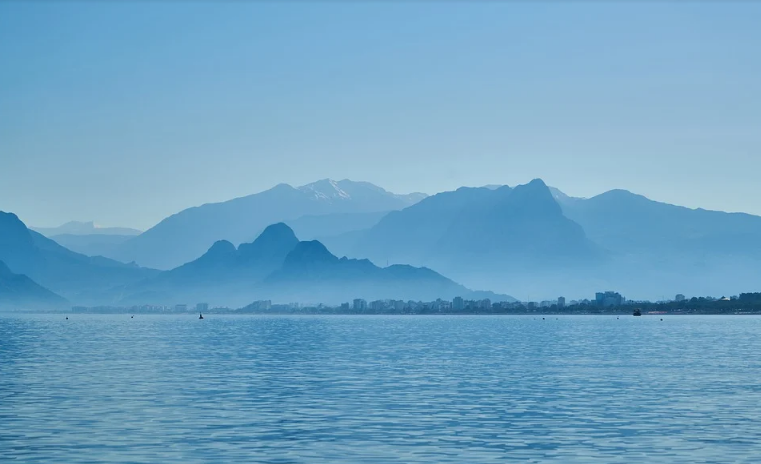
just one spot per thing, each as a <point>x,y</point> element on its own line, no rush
<point>127,112</point>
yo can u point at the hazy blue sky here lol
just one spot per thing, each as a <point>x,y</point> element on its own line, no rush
<point>125,113</point>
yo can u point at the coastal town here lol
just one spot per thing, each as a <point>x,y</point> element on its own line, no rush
<point>607,302</point>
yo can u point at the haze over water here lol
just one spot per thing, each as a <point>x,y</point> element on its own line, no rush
<point>379,389</point>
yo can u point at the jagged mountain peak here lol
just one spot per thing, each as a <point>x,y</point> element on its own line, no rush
<point>534,198</point>
<point>309,252</point>
<point>275,241</point>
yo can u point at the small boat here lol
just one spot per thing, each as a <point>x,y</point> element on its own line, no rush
<point>200,316</point>
<point>637,312</point>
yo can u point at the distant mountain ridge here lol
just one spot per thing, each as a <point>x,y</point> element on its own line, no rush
<point>529,240</point>
<point>186,235</point>
<point>657,247</point>
<point>310,272</point>
<point>19,292</point>
<point>279,267</point>
<point>405,236</point>
<point>91,245</point>
<point>226,264</point>
<point>610,217</point>
<point>343,190</point>
<point>77,277</point>
<point>534,239</point>
<point>88,238</point>
<point>84,228</point>
<point>523,225</point>
<point>476,226</point>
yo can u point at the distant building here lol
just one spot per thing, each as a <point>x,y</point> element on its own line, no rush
<point>360,304</point>
<point>561,302</point>
<point>545,304</point>
<point>680,297</point>
<point>202,307</point>
<point>458,304</point>
<point>344,307</point>
<point>377,305</point>
<point>181,308</point>
<point>609,299</point>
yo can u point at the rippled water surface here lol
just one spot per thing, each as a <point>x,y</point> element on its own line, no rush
<point>379,389</point>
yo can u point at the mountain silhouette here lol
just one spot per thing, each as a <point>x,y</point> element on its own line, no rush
<point>84,228</point>
<point>18,291</point>
<point>278,266</point>
<point>657,247</point>
<point>185,235</point>
<point>72,275</point>
<point>406,236</point>
<point>508,239</point>
<point>615,220</point>
<point>523,225</point>
<point>537,240</point>
<point>91,245</point>
<point>480,227</point>
<point>224,264</point>
<point>311,273</point>
<point>529,239</point>
<point>87,238</point>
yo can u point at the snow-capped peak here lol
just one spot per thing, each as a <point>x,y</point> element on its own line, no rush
<point>326,189</point>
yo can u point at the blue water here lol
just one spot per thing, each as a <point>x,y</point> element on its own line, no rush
<point>379,389</point>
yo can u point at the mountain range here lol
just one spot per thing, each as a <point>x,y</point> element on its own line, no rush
<point>87,238</point>
<point>531,238</point>
<point>531,241</point>
<point>484,228</point>
<point>277,266</point>
<point>72,275</point>
<point>184,236</point>
<point>84,228</point>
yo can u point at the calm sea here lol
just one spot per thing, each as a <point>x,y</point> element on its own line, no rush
<point>175,389</point>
